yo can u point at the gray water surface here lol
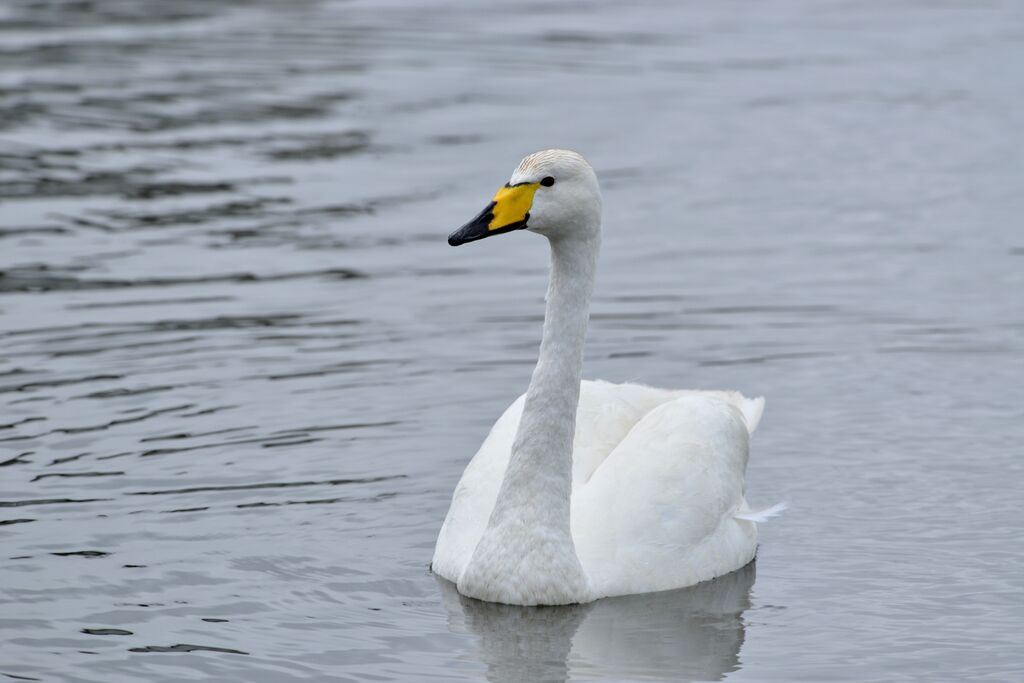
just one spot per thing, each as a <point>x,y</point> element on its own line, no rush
<point>241,370</point>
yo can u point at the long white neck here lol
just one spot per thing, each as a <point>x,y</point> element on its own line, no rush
<point>539,476</point>
<point>527,555</point>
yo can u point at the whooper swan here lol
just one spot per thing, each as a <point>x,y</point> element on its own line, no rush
<point>584,490</point>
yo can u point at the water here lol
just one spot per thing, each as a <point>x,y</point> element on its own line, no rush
<point>242,371</point>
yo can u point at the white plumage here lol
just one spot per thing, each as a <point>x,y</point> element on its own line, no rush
<point>657,487</point>
<point>584,490</point>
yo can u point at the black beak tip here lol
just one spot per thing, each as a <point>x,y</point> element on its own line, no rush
<point>476,229</point>
<point>467,233</point>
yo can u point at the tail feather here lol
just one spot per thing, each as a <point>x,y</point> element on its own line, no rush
<point>752,409</point>
<point>762,515</point>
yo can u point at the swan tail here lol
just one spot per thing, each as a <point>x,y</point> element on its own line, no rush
<point>752,409</point>
<point>762,515</point>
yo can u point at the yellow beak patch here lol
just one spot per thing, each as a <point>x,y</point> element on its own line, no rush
<point>511,204</point>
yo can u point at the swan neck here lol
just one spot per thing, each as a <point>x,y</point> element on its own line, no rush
<point>550,410</point>
<point>527,555</point>
<point>539,477</point>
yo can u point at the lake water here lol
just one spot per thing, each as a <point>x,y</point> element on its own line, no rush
<point>241,371</point>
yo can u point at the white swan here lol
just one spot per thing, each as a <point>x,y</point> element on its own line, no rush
<point>587,490</point>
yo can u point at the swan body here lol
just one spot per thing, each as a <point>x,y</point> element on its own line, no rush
<point>657,478</point>
<point>584,489</point>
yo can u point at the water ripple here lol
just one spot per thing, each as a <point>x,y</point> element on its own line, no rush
<point>241,370</point>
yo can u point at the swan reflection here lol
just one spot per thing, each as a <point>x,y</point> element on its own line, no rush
<point>689,634</point>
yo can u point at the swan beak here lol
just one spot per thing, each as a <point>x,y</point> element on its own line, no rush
<point>508,211</point>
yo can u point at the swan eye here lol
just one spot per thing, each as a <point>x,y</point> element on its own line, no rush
<point>548,182</point>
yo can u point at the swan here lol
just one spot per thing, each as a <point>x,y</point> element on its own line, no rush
<point>587,489</point>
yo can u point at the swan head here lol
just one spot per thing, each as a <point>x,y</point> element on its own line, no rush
<point>553,193</point>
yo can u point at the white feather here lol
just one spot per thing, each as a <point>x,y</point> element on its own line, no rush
<point>764,514</point>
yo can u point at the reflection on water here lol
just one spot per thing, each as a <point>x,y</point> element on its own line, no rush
<point>696,633</point>
<point>241,370</point>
